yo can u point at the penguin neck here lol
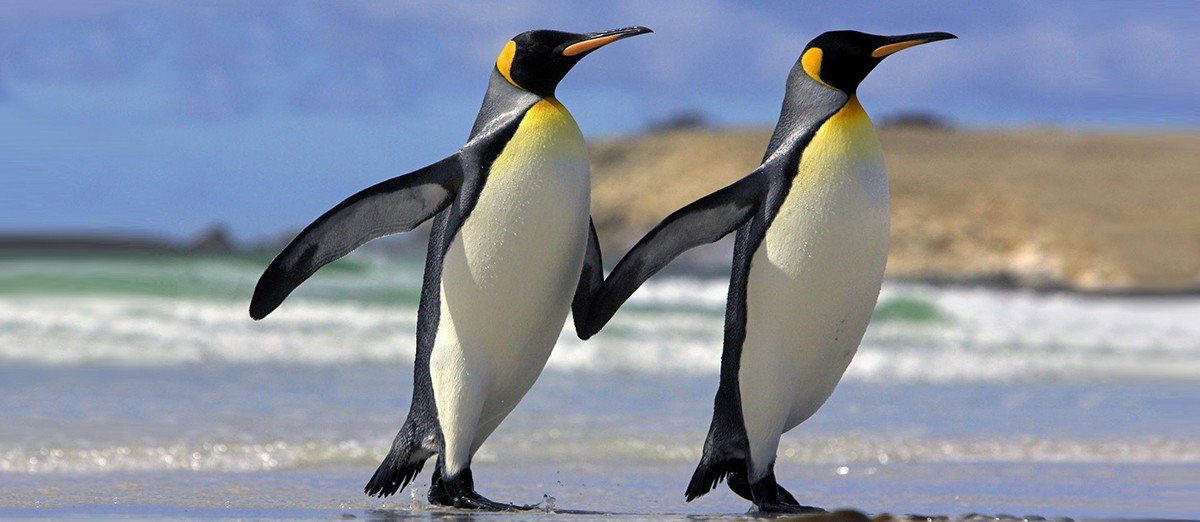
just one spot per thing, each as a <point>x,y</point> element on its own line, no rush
<point>502,102</point>
<point>806,105</point>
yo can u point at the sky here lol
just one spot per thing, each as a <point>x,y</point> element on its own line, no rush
<point>166,117</point>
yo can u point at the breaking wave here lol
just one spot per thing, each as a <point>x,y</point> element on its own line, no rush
<point>181,311</point>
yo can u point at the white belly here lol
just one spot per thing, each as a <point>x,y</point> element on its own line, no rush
<point>812,288</point>
<point>507,283</point>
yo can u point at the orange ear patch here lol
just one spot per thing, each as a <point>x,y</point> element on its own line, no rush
<point>504,61</point>
<point>811,62</point>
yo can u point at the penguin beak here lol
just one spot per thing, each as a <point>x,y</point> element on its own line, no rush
<point>593,41</point>
<point>893,44</point>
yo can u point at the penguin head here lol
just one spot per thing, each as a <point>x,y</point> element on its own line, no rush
<point>842,59</point>
<point>537,60</point>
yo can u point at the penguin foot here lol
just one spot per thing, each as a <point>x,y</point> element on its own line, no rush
<point>476,501</point>
<point>781,507</point>
<point>785,497</point>
<point>738,484</point>
<point>465,496</point>
<point>768,496</point>
<point>438,496</point>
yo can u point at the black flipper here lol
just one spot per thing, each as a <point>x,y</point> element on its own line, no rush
<point>704,221</point>
<point>396,205</point>
<point>590,281</point>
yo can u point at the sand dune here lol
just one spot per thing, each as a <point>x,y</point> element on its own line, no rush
<point>1102,212</point>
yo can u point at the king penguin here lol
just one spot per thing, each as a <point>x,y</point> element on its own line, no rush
<point>512,249</point>
<point>811,243</point>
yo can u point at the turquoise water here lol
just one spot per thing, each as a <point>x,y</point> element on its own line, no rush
<point>142,382</point>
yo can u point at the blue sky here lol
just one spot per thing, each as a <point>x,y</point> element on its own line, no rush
<point>166,117</point>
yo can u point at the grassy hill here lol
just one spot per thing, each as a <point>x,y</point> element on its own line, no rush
<point>1105,212</point>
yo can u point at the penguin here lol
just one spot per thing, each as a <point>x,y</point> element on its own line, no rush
<point>512,249</point>
<point>811,231</point>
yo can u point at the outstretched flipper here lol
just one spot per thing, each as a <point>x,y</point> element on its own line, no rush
<point>590,281</point>
<point>396,205</point>
<point>704,221</point>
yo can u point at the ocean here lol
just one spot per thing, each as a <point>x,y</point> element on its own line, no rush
<point>138,387</point>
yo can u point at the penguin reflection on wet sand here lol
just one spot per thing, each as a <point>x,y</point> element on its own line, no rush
<point>511,250</point>
<point>811,242</point>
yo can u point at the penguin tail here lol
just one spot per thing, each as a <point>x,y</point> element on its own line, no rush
<point>709,473</point>
<point>401,465</point>
<point>393,475</point>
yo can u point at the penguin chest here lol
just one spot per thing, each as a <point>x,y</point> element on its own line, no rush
<point>815,277</point>
<point>512,268</point>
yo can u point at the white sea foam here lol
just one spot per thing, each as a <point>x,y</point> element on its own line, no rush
<point>155,331</point>
<point>563,447</point>
<point>672,324</point>
<point>987,334</point>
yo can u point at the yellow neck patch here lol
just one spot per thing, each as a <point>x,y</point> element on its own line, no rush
<point>849,124</point>
<point>504,61</point>
<point>547,133</point>
<point>852,111</point>
<point>847,136</point>
<point>548,116</point>
<point>811,62</point>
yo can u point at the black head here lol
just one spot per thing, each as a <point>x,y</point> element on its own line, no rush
<point>842,59</point>
<point>537,60</point>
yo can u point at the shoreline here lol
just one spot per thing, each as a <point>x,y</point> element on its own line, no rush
<point>706,263</point>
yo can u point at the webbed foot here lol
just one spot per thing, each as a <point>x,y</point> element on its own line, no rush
<point>459,492</point>
<point>781,507</point>
<point>768,496</point>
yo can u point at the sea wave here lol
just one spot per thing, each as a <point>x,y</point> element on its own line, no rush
<point>366,311</point>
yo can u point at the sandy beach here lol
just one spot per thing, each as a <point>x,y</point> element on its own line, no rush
<point>583,442</point>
